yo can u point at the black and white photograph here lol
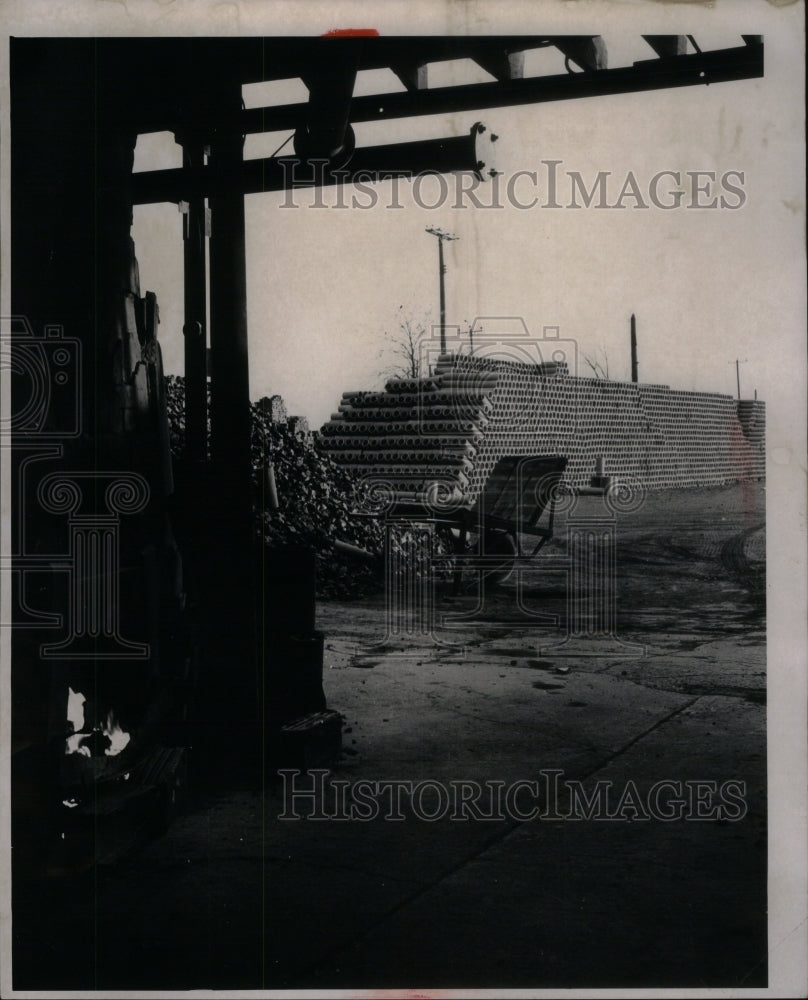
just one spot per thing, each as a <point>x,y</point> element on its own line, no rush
<point>403,448</point>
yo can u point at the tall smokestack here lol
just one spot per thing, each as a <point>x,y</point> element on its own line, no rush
<point>633,348</point>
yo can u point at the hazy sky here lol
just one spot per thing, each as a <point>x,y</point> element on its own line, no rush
<point>707,285</point>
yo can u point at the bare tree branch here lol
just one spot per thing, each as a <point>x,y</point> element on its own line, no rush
<point>600,369</point>
<point>403,347</point>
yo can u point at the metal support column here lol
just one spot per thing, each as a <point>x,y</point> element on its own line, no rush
<point>195,326</point>
<point>230,397</point>
<point>232,543</point>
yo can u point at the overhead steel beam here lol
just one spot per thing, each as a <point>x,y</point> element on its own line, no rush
<point>172,62</point>
<point>694,69</point>
<point>473,152</point>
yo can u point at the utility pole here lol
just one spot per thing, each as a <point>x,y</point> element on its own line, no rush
<point>441,236</point>
<point>633,348</point>
<point>738,363</point>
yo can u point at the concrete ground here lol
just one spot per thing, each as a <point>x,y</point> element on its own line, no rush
<point>235,897</point>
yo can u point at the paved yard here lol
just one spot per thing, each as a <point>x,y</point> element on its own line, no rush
<point>628,893</point>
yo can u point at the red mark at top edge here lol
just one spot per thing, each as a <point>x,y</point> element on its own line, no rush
<point>404,994</point>
<point>351,33</point>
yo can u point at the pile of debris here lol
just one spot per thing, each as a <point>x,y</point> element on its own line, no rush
<point>316,499</point>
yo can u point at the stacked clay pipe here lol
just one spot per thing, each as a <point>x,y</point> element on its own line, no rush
<point>453,426</point>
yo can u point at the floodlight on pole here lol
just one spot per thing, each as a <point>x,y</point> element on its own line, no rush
<point>441,236</point>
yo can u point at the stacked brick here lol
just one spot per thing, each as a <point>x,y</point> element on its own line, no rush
<point>452,427</point>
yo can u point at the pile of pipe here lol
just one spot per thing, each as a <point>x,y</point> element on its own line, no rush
<point>303,498</point>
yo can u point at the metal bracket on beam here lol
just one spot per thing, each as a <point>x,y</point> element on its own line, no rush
<point>502,64</point>
<point>413,75</point>
<point>667,45</point>
<point>326,132</point>
<point>588,51</point>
